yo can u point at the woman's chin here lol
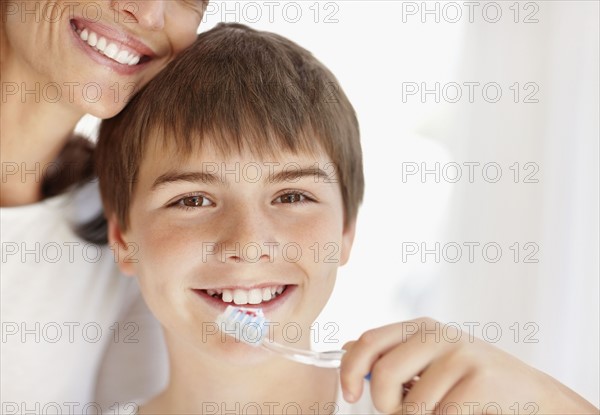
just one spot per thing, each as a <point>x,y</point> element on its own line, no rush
<point>101,100</point>
<point>103,109</point>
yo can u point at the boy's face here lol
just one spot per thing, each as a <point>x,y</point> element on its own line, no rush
<point>208,232</point>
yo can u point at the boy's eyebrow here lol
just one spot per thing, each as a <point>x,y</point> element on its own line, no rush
<point>291,175</point>
<point>178,176</point>
<point>298,173</point>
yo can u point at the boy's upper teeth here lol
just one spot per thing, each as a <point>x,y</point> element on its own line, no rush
<point>109,49</point>
<point>241,296</point>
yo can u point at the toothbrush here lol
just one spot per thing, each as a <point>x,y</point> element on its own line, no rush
<point>250,326</point>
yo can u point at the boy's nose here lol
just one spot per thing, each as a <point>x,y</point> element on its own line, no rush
<point>150,14</point>
<point>250,252</point>
<point>247,238</point>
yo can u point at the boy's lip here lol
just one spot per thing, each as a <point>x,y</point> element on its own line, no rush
<point>245,286</point>
<point>266,306</point>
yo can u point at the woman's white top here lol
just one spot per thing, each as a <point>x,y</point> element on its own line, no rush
<point>76,334</point>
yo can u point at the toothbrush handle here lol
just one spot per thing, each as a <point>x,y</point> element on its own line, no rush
<point>329,359</point>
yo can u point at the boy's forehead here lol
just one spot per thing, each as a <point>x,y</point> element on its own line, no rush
<point>163,156</point>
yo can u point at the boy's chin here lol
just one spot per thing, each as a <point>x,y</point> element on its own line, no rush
<point>241,354</point>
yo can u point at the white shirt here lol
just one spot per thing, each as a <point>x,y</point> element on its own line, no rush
<point>364,406</point>
<point>76,334</point>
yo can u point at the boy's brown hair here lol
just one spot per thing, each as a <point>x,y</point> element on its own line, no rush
<point>235,88</point>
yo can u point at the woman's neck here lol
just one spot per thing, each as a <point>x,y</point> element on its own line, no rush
<point>34,130</point>
<point>203,385</point>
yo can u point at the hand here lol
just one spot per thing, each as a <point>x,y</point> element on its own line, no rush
<point>446,371</point>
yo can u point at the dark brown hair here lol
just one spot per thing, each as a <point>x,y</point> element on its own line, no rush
<point>235,88</point>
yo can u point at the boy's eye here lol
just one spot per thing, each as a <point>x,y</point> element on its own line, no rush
<point>194,201</point>
<point>295,197</point>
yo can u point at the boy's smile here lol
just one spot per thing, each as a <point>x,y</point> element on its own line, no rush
<point>262,295</point>
<point>214,231</point>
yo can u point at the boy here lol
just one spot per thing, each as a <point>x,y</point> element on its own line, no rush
<point>220,180</point>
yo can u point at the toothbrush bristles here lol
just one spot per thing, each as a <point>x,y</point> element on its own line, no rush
<point>244,324</point>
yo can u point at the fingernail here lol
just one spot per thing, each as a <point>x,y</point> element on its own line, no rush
<point>348,397</point>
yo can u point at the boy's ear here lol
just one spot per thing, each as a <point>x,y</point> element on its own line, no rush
<point>123,251</point>
<point>347,241</point>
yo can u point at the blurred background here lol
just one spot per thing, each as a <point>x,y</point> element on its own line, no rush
<point>479,125</point>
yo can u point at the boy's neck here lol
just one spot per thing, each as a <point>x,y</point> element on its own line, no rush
<point>279,386</point>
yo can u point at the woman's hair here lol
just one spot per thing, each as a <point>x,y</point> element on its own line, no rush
<point>74,167</point>
<point>236,89</point>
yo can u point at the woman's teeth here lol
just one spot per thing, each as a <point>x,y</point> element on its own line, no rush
<point>253,296</point>
<point>111,50</point>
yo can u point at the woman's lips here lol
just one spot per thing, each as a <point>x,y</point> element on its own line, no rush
<point>124,57</point>
<point>113,35</point>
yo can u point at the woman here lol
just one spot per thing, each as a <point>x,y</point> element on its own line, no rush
<point>69,320</point>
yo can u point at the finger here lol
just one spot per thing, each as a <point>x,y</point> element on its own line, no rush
<point>348,345</point>
<point>358,389</point>
<point>398,367</point>
<point>361,354</point>
<point>461,399</point>
<point>434,384</point>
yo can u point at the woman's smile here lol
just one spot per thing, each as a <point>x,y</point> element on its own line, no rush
<point>100,53</point>
<point>111,47</point>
